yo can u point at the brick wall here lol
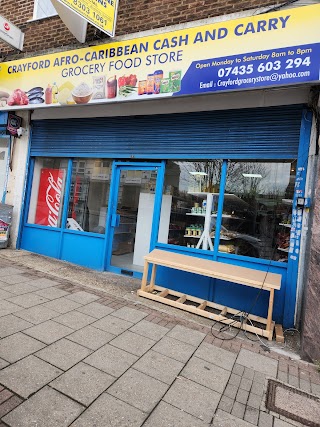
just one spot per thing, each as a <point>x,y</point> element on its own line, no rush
<point>133,16</point>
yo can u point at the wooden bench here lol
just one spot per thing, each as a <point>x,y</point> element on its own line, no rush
<point>217,270</point>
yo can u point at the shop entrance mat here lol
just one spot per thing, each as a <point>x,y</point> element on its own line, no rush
<point>294,404</point>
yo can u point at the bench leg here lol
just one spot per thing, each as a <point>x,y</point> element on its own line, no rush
<point>270,310</point>
<point>153,277</point>
<point>145,276</point>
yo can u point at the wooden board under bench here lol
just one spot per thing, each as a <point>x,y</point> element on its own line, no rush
<point>217,270</point>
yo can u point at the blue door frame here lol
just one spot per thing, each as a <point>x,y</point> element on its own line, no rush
<point>117,168</point>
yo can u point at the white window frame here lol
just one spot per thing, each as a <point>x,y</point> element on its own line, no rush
<point>36,9</point>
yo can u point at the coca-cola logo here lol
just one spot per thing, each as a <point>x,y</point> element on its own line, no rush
<point>6,26</point>
<point>53,199</point>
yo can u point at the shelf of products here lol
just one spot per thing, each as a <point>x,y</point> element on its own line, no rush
<point>283,238</point>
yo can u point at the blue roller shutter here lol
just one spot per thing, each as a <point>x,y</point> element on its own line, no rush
<point>263,133</point>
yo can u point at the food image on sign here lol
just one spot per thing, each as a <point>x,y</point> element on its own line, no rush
<point>253,52</point>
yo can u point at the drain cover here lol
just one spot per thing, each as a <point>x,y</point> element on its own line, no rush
<point>294,404</point>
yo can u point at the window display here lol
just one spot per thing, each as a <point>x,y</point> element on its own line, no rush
<point>256,211</point>
<point>48,186</point>
<point>258,214</point>
<point>89,194</point>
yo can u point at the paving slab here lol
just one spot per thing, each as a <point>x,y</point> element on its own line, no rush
<point>20,288</point>
<point>108,411</point>
<point>14,279</point>
<point>223,419</point>
<point>62,305</point>
<point>281,423</point>
<point>47,408</point>
<point>83,297</point>
<point>52,293</point>
<point>17,346</point>
<point>28,300</point>
<point>215,355</point>
<point>8,308</point>
<point>158,366</point>
<point>130,314</point>
<point>43,283</point>
<point>63,353</point>
<point>173,348</point>
<point>75,319</point>
<point>3,363</point>
<point>90,337</point>
<point>139,390</point>
<point>96,310</point>
<point>112,324</point>
<point>193,398</point>
<point>9,271</point>
<point>166,415</point>
<point>5,294</point>
<point>149,330</point>
<point>133,343</point>
<point>37,314</point>
<point>206,374</point>
<point>28,375</point>
<point>111,360</point>
<point>11,324</point>
<point>83,383</point>
<point>186,335</point>
<point>258,362</point>
<point>48,332</point>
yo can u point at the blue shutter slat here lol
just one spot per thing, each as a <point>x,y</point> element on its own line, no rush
<point>249,133</point>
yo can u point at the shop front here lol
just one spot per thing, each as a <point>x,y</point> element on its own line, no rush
<point>107,204</point>
<point>221,182</point>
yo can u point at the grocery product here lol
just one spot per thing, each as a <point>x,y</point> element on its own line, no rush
<point>150,84</point>
<point>18,97</point>
<point>112,87</point>
<point>54,93</point>
<point>64,95</point>
<point>165,85</point>
<point>48,94</point>
<point>127,85</point>
<point>142,87</point>
<point>175,81</point>
<point>99,87</point>
<point>82,90</point>
<point>158,76</point>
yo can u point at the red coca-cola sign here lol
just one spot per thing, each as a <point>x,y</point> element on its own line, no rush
<point>49,197</point>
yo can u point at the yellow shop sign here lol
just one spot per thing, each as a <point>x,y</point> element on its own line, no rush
<point>276,49</point>
<point>100,13</point>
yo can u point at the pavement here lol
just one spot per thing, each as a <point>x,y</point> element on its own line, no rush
<point>79,348</point>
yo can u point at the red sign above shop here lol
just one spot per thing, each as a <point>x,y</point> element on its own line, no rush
<point>48,210</point>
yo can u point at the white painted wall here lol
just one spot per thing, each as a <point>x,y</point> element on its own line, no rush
<point>17,177</point>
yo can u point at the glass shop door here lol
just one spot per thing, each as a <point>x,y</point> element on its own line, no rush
<point>132,217</point>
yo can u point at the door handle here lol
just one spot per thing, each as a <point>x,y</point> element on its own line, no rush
<point>115,220</point>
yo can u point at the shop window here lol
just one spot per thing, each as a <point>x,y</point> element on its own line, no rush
<point>47,193</point>
<point>89,195</point>
<point>257,209</point>
<point>43,9</point>
<point>256,215</point>
<point>187,185</point>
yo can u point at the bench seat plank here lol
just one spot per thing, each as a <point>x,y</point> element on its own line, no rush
<point>214,269</point>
